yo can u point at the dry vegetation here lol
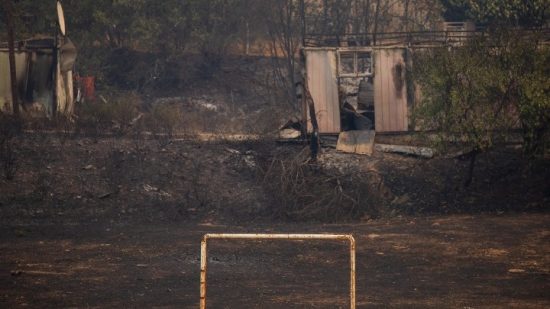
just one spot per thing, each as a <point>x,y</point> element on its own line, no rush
<point>137,168</point>
<point>304,190</point>
<point>106,207</point>
<point>9,129</point>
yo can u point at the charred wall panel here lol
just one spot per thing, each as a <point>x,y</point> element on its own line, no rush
<point>21,69</point>
<point>390,91</point>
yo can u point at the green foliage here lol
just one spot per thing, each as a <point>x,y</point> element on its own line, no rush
<point>459,94</point>
<point>533,13</point>
<point>532,67</point>
<point>478,93</point>
<point>30,18</point>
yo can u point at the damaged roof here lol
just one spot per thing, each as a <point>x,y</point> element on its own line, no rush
<point>36,43</point>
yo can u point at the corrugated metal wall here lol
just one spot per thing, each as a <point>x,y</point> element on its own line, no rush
<point>322,82</point>
<point>390,90</point>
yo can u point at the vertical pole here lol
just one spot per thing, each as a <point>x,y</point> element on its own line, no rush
<point>352,271</point>
<point>304,108</point>
<point>204,260</point>
<point>303,72</point>
<point>8,10</point>
<point>204,257</point>
<point>55,55</point>
<point>315,142</point>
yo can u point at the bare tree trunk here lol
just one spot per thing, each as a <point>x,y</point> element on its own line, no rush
<point>284,31</point>
<point>325,18</point>
<point>376,17</point>
<point>336,10</point>
<point>470,174</point>
<point>406,16</point>
<point>303,21</point>
<point>8,10</point>
<point>247,48</point>
<point>289,47</point>
<point>315,142</point>
<point>355,16</point>
<point>366,13</point>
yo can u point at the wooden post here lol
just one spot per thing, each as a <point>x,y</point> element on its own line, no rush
<point>8,10</point>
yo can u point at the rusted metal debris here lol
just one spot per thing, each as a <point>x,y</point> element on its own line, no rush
<point>204,255</point>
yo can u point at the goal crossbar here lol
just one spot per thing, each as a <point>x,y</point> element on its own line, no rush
<point>204,254</point>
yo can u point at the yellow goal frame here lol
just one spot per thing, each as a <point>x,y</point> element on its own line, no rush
<point>204,254</point>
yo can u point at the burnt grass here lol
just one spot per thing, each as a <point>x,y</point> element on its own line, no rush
<point>117,222</point>
<point>125,179</point>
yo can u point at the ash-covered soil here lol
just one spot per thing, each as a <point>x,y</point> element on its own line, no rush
<point>481,261</point>
<point>64,179</point>
<point>117,222</point>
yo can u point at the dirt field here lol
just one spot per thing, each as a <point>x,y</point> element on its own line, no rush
<point>436,262</point>
<point>118,223</point>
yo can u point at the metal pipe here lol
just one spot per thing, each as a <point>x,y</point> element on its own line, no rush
<point>204,257</point>
<point>204,261</point>
<point>352,271</point>
<point>280,236</point>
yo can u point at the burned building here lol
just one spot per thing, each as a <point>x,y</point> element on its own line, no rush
<point>369,87</point>
<point>44,73</point>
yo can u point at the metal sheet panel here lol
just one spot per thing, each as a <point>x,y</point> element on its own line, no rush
<point>61,91</point>
<point>64,92</point>
<point>390,91</point>
<point>21,69</point>
<point>322,82</point>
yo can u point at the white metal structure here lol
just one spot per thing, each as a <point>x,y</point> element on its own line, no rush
<point>322,81</point>
<point>204,255</point>
<point>61,18</point>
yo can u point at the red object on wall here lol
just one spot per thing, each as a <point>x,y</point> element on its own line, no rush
<point>87,87</point>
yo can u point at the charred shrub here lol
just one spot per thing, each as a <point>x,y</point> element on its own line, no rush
<point>113,116</point>
<point>304,191</point>
<point>123,112</point>
<point>115,166</point>
<point>92,119</point>
<point>64,127</point>
<point>163,121</point>
<point>10,129</point>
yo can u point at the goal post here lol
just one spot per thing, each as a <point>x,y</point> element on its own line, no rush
<point>204,254</point>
